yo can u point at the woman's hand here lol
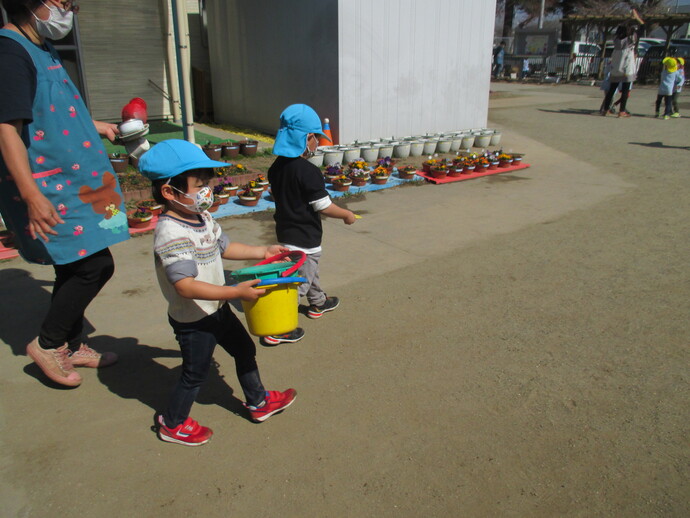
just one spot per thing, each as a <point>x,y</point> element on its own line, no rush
<point>107,130</point>
<point>42,217</point>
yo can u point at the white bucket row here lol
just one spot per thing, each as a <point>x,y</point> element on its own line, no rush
<point>372,150</point>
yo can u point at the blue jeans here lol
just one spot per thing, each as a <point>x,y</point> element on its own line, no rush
<point>197,342</point>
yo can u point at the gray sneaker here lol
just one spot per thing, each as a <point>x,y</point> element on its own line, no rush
<point>318,311</point>
<point>54,363</point>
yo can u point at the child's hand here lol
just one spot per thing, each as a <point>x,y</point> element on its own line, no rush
<point>246,292</point>
<point>350,218</point>
<point>275,250</point>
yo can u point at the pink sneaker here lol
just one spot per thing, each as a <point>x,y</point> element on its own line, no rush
<point>189,433</point>
<point>275,402</point>
<point>55,363</point>
<point>87,357</point>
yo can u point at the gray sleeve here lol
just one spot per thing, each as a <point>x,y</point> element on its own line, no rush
<point>180,270</point>
<point>223,242</point>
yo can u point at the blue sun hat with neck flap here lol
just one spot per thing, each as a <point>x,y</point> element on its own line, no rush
<point>296,122</point>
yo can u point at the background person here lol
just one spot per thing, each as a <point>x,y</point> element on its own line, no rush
<point>57,194</point>
<point>499,56</point>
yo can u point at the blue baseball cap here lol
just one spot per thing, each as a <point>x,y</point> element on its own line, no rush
<point>296,122</point>
<point>172,157</point>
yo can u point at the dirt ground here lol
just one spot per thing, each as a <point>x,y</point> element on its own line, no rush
<point>515,345</point>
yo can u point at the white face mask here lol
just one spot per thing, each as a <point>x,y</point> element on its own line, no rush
<point>57,26</point>
<point>201,201</point>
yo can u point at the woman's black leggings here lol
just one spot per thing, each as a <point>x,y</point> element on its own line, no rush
<point>625,90</point>
<point>76,285</point>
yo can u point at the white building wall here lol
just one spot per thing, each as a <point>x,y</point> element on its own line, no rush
<point>376,68</point>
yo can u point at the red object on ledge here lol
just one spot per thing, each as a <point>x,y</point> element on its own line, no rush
<point>135,109</point>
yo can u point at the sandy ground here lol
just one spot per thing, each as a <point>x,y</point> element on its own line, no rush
<point>510,346</point>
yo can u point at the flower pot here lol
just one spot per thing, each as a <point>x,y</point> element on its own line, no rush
<point>224,198</point>
<point>350,154</point>
<point>495,138</point>
<point>119,162</point>
<point>468,169</point>
<point>439,173</point>
<point>248,201</point>
<point>213,151</point>
<point>258,191</point>
<point>230,189</point>
<point>480,168</point>
<point>455,143</point>
<point>230,149</point>
<point>416,148</point>
<point>401,150</point>
<point>328,178</point>
<point>482,140</point>
<point>379,180</point>
<point>317,159</point>
<point>359,182</point>
<point>404,175</point>
<point>341,186</point>
<point>517,160</point>
<point>249,147</point>
<point>467,141</point>
<point>138,222</point>
<point>504,163</point>
<point>369,154</point>
<point>385,150</point>
<point>216,203</point>
<point>443,145</point>
<point>155,209</point>
<point>264,185</point>
<point>455,171</point>
<point>430,146</point>
<point>332,156</point>
<point>493,165</point>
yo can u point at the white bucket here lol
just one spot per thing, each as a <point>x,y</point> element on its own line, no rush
<point>332,156</point>
<point>467,141</point>
<point>430,146</point>
<point>317,159</point>
<point>369,153</point>
<point>443,145</point>
<point>495,138</point>
<point>350,154</point>
<point>416,147</point>
<point>385,150</point>
<point>482,140</point>
<point>401,150</point>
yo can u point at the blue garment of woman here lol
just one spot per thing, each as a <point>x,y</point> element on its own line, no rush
<point>69,164</point>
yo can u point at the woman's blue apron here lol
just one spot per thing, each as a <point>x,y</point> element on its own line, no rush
<point>70,166</point>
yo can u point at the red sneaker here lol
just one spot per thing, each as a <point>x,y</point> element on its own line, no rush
<point>275,402</point>
<point>189,433</point>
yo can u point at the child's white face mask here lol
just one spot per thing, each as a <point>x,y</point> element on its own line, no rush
<point>57,26</point>
<point>201,201</point>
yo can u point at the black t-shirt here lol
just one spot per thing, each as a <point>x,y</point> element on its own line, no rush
<point>294,183</point>
<point>17,82</point>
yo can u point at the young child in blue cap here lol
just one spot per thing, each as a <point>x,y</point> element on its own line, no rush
<point>301,198</point>
<point>189,246</point>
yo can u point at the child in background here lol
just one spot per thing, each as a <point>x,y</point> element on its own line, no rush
<point>189,246</point>
<point>679,87</point>
<point>300,195</point>
<point>667,85</point>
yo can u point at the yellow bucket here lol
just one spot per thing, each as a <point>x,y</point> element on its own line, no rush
<point>275,312</point>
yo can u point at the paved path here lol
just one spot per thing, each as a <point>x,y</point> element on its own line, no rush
<point>510,346</point>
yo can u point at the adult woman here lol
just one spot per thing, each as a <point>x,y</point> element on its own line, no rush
<point>57,193</point>
<point>623,65</point>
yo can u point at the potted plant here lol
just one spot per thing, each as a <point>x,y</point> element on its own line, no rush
<point>220,194</point>
<point>332,171</point>
<point>359,176</point>
<point>428,164</point>
<point>456,167</point>
<point>119,161</point>
<point>139,218</point>
<point>407,172</point>
<point>386,162</point>
<point>517,159</point>
<point>151,206</point>
<point>358,164</point>
<point>212,151</point>
<point>379,176</point>
<point>439,170</point>
<point>230,149</point>
<point>255,187</point>
<point>247,196</point>
<point>341,183</point>
<point>261,180</point>
<point>469,166</point>
<point>481,163</point>
<point>249,147</point>
<point>504,160</point>
<point>228,187</point>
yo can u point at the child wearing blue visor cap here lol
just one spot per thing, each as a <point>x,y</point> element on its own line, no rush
<point>301,198</point>
<point>189,246</point>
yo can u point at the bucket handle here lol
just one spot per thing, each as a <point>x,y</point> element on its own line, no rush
<point>302,257</point>
<point>280,280</point>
